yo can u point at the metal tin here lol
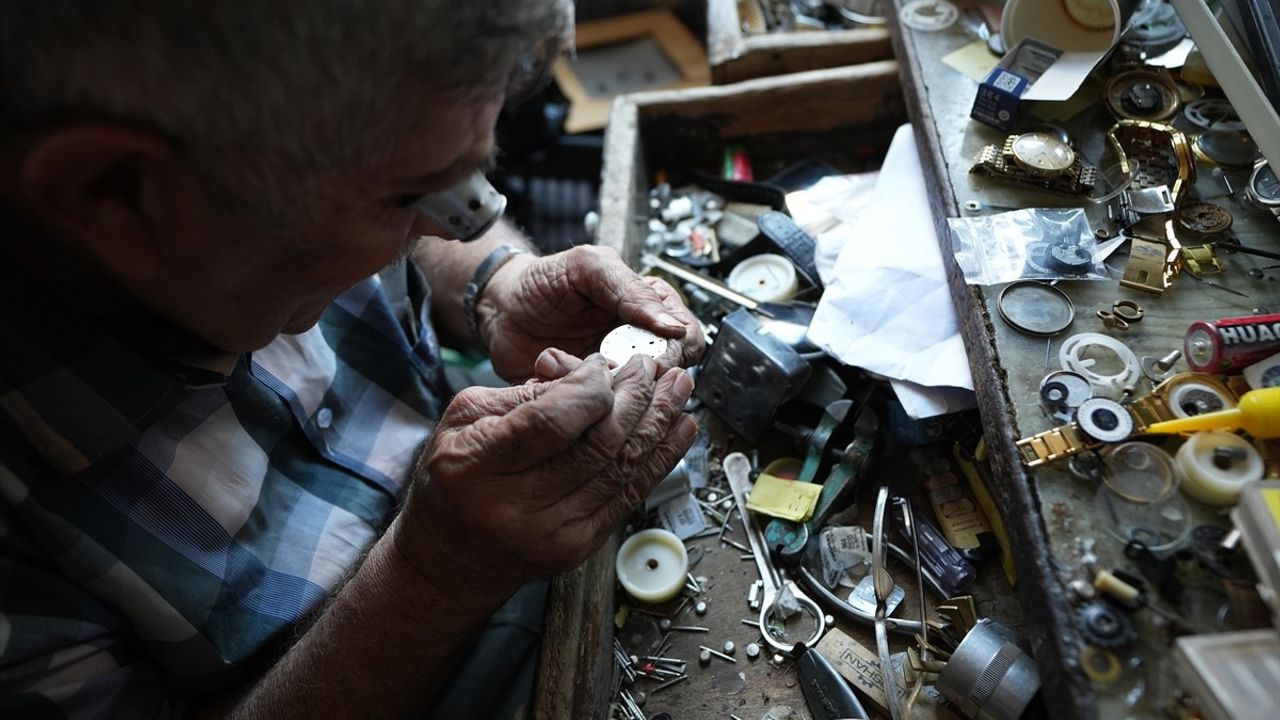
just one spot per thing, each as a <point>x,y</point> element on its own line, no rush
<point>1231,344</point>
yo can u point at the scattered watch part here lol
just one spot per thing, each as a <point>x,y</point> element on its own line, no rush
<point>1225,148</point>
<point>1104,420</point>
<point>1054,395</point>
<point>1158,369</point>
<point>753,651</point>
<point>1154,28</point>
<point>974,207</point>
<point>1263,374</point>
<point>1101,666</point>
<point>765,278</point>
<point>1143,94</point>
<point>1192,397</point>
<point>625,341</point>
<point>989,675</point>
<point>1139,471</point>
<point>1087,466</point>
<point>1204,218</point>
<point>1151,200</point>
<point>1072,356</point>
<point>1213,114</point>
<point>1104,625</point>
<point>1078,387</point>
<point>1069,259</point>
<point>652,565</point>
<point>928,15</point>
<point>1035,308</point>
<point>1216,465</point>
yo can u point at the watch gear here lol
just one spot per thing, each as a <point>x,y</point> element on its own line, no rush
<point>1204,218</point>
<point>1104,625</point>
<point>1039,160</point>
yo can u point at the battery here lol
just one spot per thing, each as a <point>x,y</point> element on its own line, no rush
<point>1231,344</point>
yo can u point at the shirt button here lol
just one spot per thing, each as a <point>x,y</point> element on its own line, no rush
<point>324,418</point>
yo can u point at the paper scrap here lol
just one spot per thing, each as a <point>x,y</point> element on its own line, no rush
<point>860,666</point>
<point>974,60</point>
<point>682,516</point>
<point>787,499</point>
<point>842,549</point>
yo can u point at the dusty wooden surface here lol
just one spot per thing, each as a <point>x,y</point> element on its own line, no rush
<point>735,56</point>
<point>572,672</point>
<point>1049,510</point>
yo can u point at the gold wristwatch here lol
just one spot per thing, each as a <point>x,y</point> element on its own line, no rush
<point>1038,160</point>
<point>1156,154</point>
<point>1181,395</point>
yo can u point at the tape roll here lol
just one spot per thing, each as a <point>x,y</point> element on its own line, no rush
<point>652,565</point>
<point>1210,482</point>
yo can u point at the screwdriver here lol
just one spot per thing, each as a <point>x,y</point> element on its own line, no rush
<point>825,692</point>
<point>1258,414</point>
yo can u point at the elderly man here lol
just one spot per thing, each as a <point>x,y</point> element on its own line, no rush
<point>220,306</point>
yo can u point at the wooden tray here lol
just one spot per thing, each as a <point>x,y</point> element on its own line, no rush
<point>831,115</point>
<point>736,56</point>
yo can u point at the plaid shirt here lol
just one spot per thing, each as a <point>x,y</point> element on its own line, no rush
<point>167,514</point>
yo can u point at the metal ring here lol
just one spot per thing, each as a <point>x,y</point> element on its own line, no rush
<point>1129,310</point>
<point>1045,329</point>
<point>1099,665</point>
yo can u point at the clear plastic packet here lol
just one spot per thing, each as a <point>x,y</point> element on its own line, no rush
<point>1032,244</point>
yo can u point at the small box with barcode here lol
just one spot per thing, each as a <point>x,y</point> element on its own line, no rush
<point>1000,95</point>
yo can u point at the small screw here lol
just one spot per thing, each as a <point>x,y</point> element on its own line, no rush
<point>700,608</point>
<point>729,647</point>
<point>664,624</point>
<point>1223,457</point>
<point>704,657</point>
<point>753,651</point>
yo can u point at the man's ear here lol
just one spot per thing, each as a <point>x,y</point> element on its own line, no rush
<point>110,191</point>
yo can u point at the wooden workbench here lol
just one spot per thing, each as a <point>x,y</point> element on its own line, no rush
<point>1049,511</point>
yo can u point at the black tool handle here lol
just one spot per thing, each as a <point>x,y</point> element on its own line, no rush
<point>828,696</point>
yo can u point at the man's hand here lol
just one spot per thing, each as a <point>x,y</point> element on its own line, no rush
<point>524,482</point>
<point>570,301</point>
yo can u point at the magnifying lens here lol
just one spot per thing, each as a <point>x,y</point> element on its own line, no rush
<point>467,210</point>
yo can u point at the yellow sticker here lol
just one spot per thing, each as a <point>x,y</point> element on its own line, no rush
<point>974,60</point>
<point>787,499</point>
<point>1271,496</point>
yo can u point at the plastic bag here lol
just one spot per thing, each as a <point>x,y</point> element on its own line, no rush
<point>1033,244</point>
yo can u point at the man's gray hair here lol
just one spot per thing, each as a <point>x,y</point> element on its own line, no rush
<point>267,96</point>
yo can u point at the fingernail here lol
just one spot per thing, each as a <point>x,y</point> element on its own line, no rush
<point>683,383</point>
<point>547,364</point>
<point>688,428</point>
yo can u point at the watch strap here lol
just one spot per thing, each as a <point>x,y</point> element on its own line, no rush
<point>500,256</point>
<point>792,240</point>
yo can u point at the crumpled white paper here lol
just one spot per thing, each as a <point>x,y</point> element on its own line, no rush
<point>888,309</point>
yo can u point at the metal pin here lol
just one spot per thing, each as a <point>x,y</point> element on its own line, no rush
<point>717,653</point>
<point>694,580</point>
<point>748,556</point>
<point>690,628</point>
<point>737,545</point>
<point>751,623</point>
<point>668,684</point>
<point>684,603</point>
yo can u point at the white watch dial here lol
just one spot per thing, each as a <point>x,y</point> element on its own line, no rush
<point>1043,152</point>
<point>764,278</point>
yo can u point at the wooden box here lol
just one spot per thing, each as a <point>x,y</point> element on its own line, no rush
<point>829,115</point>
<point>736,56</point>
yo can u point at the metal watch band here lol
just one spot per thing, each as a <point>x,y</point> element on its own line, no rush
<point>496,259</point>
<point>1054,444</point>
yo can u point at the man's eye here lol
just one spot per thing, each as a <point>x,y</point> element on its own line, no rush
<point>405,201</point>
